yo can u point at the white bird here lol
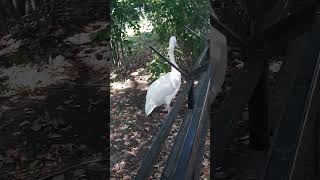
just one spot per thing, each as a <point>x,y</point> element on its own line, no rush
<point>164,89</point>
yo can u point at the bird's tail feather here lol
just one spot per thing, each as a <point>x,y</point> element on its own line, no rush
<point>149,108</point>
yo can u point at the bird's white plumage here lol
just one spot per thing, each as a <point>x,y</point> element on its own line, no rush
<point>164,89</point>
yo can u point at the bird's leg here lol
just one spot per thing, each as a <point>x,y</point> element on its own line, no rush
<point>168,109</point>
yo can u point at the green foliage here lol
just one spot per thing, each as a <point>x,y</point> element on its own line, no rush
<point>157,67</point>
<point>168,18</point>
<point>101,35</point>
<point>124,13</point>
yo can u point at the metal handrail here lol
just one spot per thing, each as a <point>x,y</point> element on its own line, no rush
<point>149,159</point>
<point>181,162</point>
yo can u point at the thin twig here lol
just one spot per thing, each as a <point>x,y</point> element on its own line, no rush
<point>208,23</point>
<point>72,167</point>
<point>194,33</point>
<point>168,61</point>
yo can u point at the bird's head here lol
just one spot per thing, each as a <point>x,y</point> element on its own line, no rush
<point>173,43</point>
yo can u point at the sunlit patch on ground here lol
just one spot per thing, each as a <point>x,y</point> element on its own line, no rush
<point>117,86</point>
<point>86,37</point>
<point>29,77</point>
<point>138,81</point>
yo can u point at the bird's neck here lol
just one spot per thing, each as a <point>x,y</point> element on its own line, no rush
<point>172,60</point>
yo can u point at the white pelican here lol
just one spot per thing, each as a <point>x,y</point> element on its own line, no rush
<point>164,89</point>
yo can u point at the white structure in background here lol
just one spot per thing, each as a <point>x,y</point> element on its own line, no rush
<point>218,57</point>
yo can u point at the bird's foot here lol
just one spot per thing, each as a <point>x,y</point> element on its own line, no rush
<point>167,108</point>
<point>166,115</point>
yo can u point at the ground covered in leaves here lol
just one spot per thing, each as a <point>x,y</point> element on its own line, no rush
<point>53,111</point>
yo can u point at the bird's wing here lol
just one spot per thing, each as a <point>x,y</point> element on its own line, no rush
<point>162,91</point>
<point>161,85</point>
<point>169,97</point>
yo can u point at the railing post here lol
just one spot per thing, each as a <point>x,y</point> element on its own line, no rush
<point>317,144</point>
<point>191,97</point>
<point>258,109</point>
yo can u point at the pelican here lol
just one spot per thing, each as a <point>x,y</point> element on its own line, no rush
<point>164,89</point>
